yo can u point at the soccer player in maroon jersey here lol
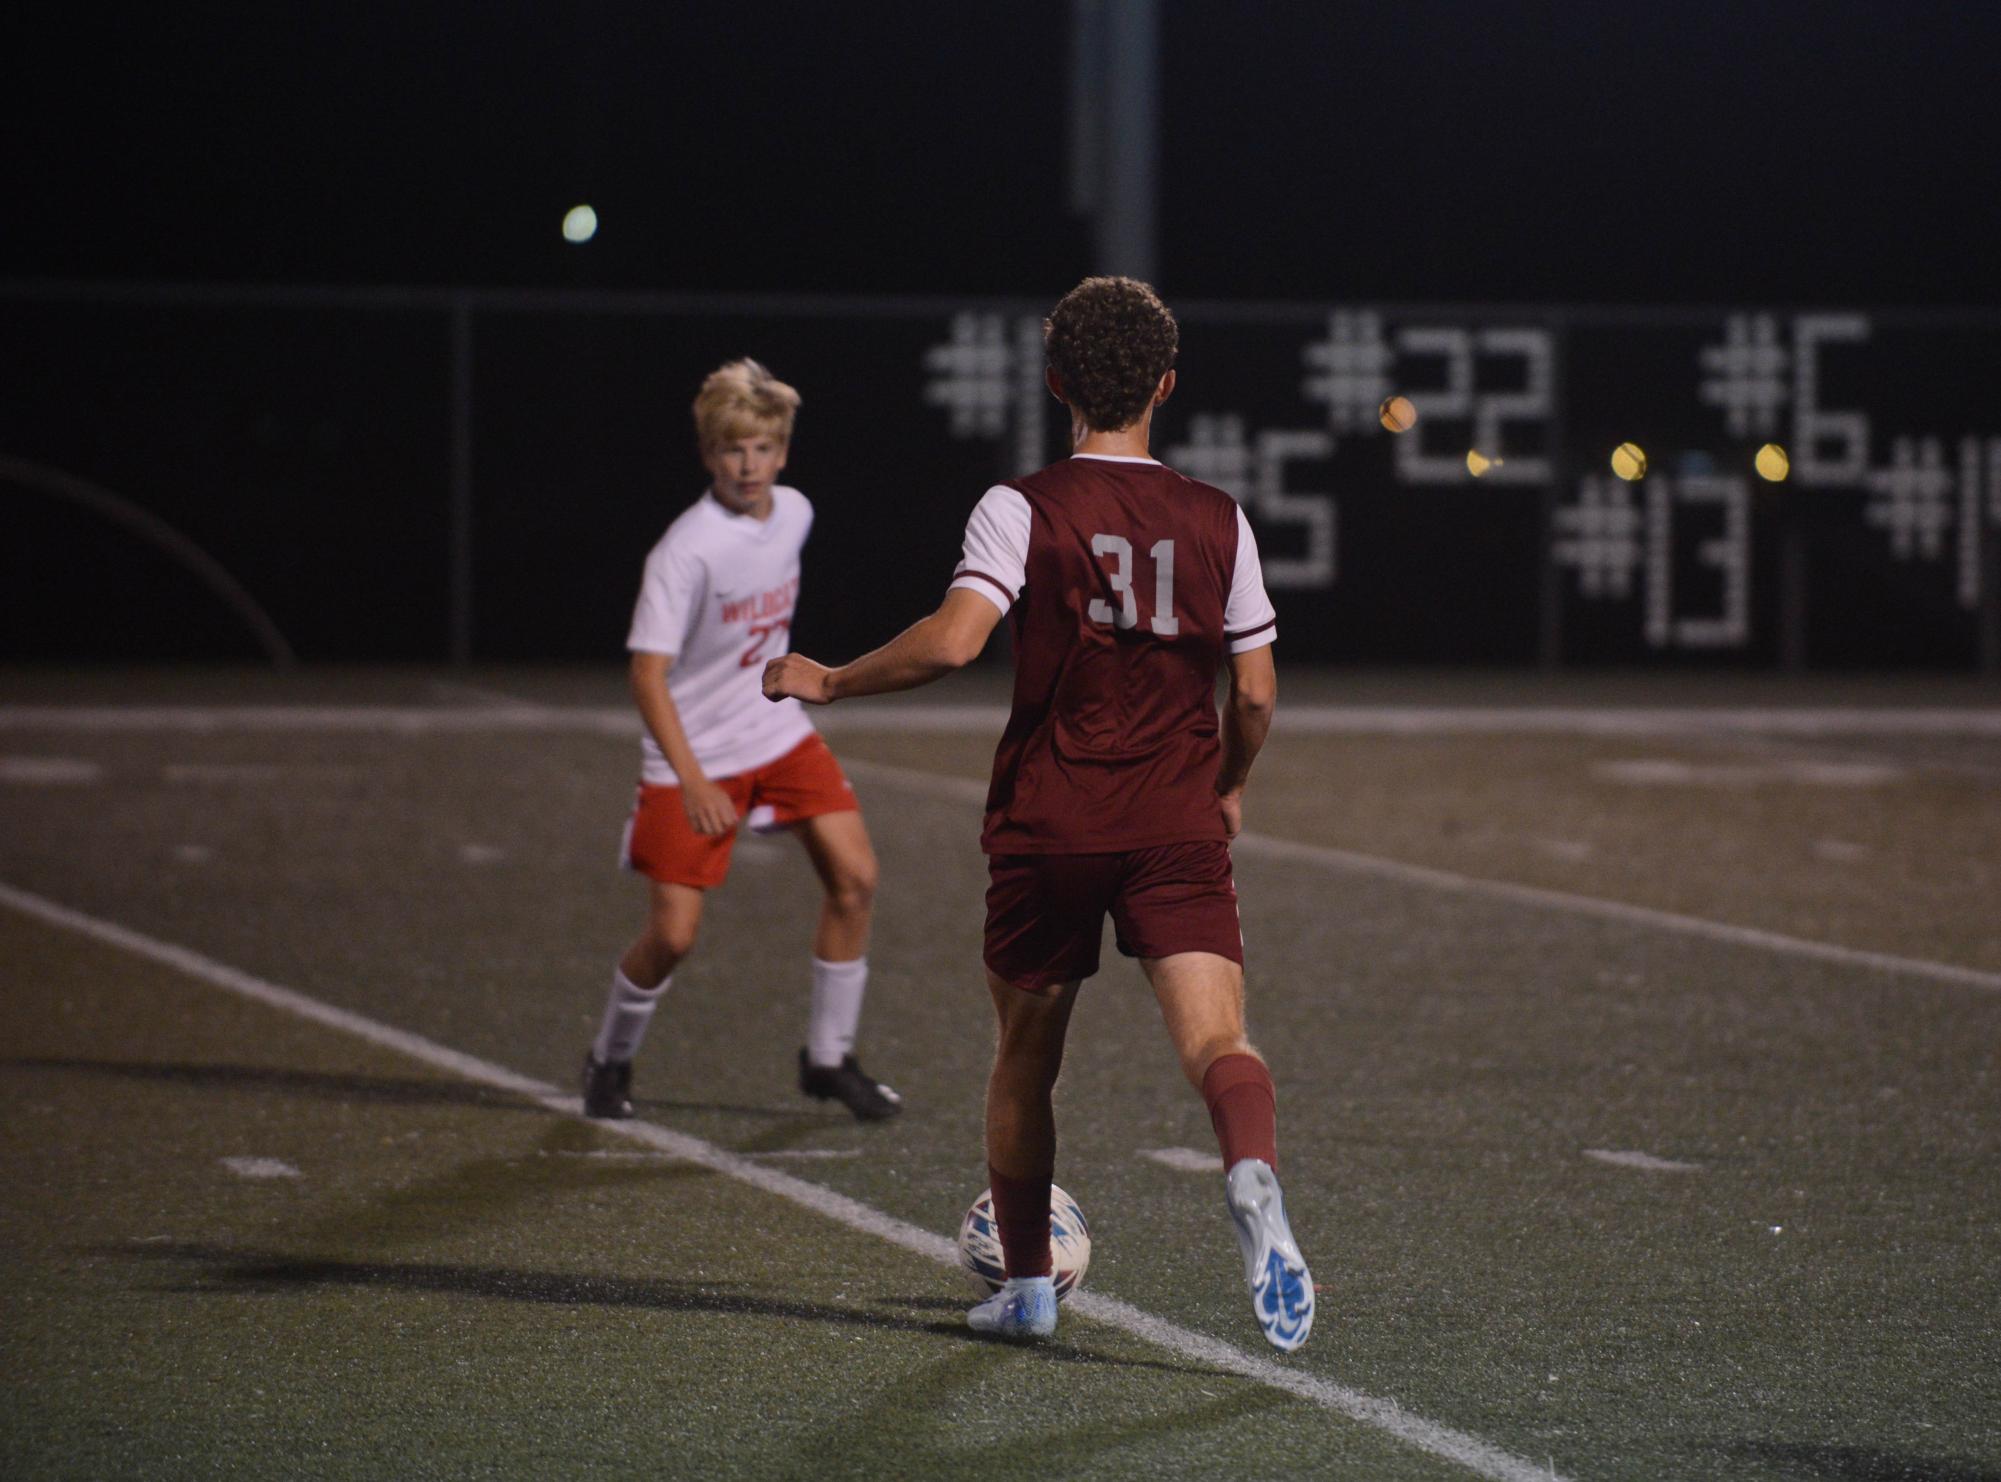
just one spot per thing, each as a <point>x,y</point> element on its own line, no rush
<point>1115,787</point>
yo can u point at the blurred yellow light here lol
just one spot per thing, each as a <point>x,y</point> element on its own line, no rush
<point>580,224</point>
<point>1398,414</point>
<point>1478,462</point>
<point>1629,462</point>
<point>1772,463</point>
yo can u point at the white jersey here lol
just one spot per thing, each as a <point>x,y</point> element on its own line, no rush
<point>717,598</point>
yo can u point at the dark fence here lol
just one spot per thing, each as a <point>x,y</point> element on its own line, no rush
<point>433,475</point>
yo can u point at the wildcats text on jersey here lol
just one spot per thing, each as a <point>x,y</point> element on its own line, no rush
<point>775,603</point>
<point>717,598</point>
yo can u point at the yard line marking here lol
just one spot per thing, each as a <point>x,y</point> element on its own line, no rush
<point>394,720</point>
<point>446,689</point>
<point>928,784</point>
<point>48,771</point>
<point>1667,772</point>
<point>1267,847</point>
<point>287,1000</point>
<point>608,720</point>
<point>261,1168</point>
<point>1646,1161</point>
<point>1468,1451</point>
<point>1264,846</point>
<point>511,713</point>
<point>806,1155</point>
<point>230,771</point>
<point>1184,1160</point>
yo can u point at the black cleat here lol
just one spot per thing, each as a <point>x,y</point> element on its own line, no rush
<point>869,1099</point>
<point>607,1088</point>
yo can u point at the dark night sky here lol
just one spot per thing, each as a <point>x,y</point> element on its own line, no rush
<point>1581,150</point>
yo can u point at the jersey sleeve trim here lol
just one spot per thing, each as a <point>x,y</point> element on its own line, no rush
<point>970,580</point>
<point>1248,610</point>
<point>995,551</point>
<point>1250,638</point>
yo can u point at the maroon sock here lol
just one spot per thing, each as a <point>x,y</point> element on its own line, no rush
<point>1021,1212</point>
<point>1243,1108</point>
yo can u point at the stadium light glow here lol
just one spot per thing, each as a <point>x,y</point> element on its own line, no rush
<point>1629,462</point>
<point>580,224</point>
<point>1398,414</point>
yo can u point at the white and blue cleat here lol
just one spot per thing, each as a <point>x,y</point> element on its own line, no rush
<point>1281,1286</point>
<point>1025,1307</point>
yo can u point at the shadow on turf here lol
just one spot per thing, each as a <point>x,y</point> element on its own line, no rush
<point>814,1117</point>
<point>1816,1462</point>
<point>251,1271</point>
<point>319,1085</point>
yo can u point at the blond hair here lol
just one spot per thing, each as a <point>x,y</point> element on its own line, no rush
<point>743,399</point>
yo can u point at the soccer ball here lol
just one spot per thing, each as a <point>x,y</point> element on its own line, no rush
<point>1069,1244</point>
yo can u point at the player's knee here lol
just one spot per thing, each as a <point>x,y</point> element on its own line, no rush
<point>852,892</point>
<point>671,942</point>
<point>1027,1071</point>
<point>1028,1057</point>
<point>1196,1058</point>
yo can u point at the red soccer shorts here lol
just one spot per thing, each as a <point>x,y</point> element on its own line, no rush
<point>662,845</point>
<point>1046,912</point>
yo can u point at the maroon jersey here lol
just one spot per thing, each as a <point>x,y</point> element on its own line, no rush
<point>1118,633</point>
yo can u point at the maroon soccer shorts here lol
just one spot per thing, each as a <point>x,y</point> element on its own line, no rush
<point>1046,912</point>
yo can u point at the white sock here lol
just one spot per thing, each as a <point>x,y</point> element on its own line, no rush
<point>837,1009</point>
<point>626,1014</point>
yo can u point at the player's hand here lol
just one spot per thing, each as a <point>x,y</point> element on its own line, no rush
<point>710,811</point>
<point>1232,804</point>
<point>798,677</point>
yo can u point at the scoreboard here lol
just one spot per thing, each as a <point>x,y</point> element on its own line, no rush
<point>1797,488</point>
<point>1496,527</point>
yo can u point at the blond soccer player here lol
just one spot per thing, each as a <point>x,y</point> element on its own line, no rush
<point>715,605</point>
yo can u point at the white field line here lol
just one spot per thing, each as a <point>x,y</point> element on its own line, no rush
<point>1184,1160</point>
<point>617,721</point>
<point>48,771</point>
<point>965,790</point>
<point>497,712</point>
<point>1387,1416</point>
<point>1620,1158</point>
<point>1607,910</point>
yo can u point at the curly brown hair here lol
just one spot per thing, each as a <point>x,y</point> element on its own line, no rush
<point>1111,340</point>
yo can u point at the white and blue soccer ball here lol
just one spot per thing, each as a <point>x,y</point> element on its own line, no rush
<point>1069,1244</point>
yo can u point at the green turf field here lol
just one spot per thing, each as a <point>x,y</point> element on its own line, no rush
<point>1639,1100</point>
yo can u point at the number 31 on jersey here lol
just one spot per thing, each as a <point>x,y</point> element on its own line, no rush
<point>1163,623</point>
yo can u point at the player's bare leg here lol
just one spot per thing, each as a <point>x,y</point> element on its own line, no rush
<point>673,916</point>
<point>844,859</point>
<point>1202,1001</point>
<point>838,845</point>
<point>1021,1152</point>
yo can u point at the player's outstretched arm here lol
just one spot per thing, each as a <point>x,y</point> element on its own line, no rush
<point>1246,722</point>
<point>709,808</point>
<point>949,639</point>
